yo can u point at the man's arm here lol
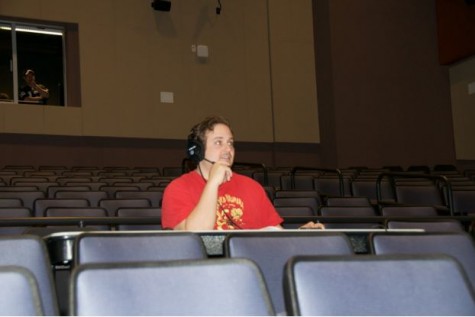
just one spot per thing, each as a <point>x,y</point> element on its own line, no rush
<point>203,216</point>
<point>44,92</point>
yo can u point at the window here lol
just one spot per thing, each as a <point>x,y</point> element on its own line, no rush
<point>43,48</point>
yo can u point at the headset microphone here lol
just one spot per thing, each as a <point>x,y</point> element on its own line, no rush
<point>212,162</point>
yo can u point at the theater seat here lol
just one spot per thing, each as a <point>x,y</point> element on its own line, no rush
<point>19,294</point>
<point>413,285</point>
<point>90,247</point>
<point>271,250</point>
<point>195,287</point>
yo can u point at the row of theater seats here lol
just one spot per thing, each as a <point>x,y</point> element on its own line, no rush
<point>290,204</point>
<point>138,193</point>
<point>261,273</point>
<point>85,192</point>
<point>279,178</point>
<point>449,192</point>
<point>326,181</point>
<point>419,192</point>
<point>294,192</point>
<point>114,193</point>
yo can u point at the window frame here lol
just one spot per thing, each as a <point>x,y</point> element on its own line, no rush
<point>71,66</point>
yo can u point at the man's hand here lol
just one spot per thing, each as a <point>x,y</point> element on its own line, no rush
<point>313,225</point>
<point>220,173</point>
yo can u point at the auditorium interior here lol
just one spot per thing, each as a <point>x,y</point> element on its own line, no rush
<point>355,114</point>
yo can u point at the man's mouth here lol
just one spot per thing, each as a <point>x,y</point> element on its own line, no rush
<point>226,159</point>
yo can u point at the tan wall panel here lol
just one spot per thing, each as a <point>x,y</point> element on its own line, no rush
<point>61,120</point>
<point>163,61</point>
<point>293,72</point>
<point>129,53</point>
<point>36,119</point>
<point>24,119</point>
<point>296,116</point>
<point>21,8</point>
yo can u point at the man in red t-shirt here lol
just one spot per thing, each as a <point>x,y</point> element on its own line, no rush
<point>212,196</point>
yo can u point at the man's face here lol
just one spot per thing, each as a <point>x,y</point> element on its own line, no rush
<point>220,145</point>
<point>30,77</point>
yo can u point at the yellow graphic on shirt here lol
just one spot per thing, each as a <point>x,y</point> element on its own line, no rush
<point>229,212</point>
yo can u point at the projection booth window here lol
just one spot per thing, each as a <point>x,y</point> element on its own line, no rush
<point>28,49</point>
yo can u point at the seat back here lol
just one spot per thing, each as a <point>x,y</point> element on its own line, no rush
<point>111,180</point>
<point>155,197</point>
<point>52,190</point>
<point>329,185</point>
<point>40,205</point>
<point>419,195</point>
<point>27,197</point>
<point>447,225</point>
<point>289,211</point>
<point>112,189</point>
<point>377,285</point>
<point>464,201</point>
<point>14,212</point>
<point>29,252</point>
<point>141,185</point>
<point>348,201</point>
<point>24,179</point>
<point>296,193</point>
<point>312,202</point>
<point>90,184</point>
<point>92,196</point>
<point>300,182</point>
<point>362,187</point>
<point>271,250</point>
<point>90,247</point>
<point>273,178</point>
<point>459,245</point>
<point>42,186</point>
<point>10,202</point>
<point>140,212</point>
<point>111,205</point>
<point>19,294</point>
<point>345,211</point>
<point>200,287</point>
<point>409,211</point>
<point>81,212</point>
<point>66,180</point>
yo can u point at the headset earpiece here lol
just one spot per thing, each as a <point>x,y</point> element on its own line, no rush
<point>194,149</point>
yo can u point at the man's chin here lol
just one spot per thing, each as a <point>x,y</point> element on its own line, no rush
<point>226,162</point>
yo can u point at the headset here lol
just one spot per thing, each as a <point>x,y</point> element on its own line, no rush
<point>195,148</point>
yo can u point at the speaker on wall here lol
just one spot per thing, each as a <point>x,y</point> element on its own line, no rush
<point>161,5</point>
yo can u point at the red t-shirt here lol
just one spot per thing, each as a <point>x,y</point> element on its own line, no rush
<point>242,203</point>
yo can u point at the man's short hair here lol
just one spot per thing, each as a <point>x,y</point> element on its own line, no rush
<point>198,132</point>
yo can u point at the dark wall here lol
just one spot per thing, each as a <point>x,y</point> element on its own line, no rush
<point>456,30</point>
<point>383,96</point>
<point>38,150</point>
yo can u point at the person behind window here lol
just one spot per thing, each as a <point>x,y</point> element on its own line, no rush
<point>213,196</point>
<point>33,92</point>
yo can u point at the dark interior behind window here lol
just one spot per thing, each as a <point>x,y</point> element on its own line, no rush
<point>51,49</point>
